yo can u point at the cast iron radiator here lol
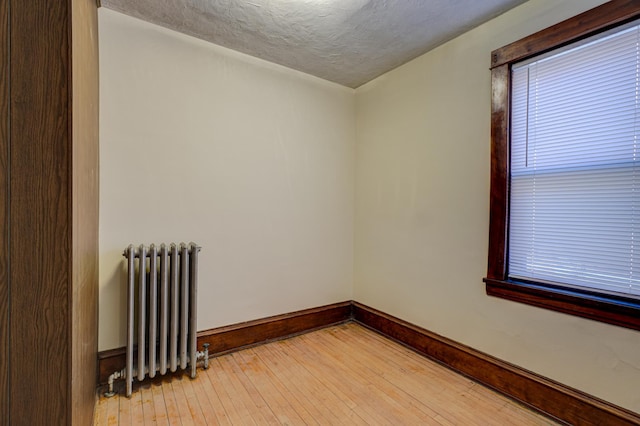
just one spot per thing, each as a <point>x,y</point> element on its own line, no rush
<point>162,290</point>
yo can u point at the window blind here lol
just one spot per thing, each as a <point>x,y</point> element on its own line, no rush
<point>575,166</point>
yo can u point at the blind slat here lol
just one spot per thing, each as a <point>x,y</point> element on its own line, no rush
<point>575,166</point>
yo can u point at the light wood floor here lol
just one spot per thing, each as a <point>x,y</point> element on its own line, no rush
<point>340,375</point>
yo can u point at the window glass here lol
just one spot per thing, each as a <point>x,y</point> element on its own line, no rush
<point>575,165</point>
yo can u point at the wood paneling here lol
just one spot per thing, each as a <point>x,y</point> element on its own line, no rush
<point>48,196</point>
<point>84,257</point>
<point>40,234</point>
<point>554,399</point>
<point>4,213</point>
<point>237,336</point>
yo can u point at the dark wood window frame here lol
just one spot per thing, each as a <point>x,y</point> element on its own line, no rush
<point>609,308</point>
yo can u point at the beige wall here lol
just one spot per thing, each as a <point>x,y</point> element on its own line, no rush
<point>252,161</point>
<point>259,162</point>
<point>422,214</point>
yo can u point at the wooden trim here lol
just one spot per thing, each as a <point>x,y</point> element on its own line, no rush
<point>83,321</point>
<point>49,204</point>
<point>40,204</point>
<point>4,212</point>
<point>110,361</point>
<point>541,394</point>
<point>603,308</point>
<point>238,336</point>
<point>499,201</point>
<point>621,312</point>
<point>601,18</point>
<point>234,337</point>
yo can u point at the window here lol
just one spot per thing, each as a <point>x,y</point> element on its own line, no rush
<point>565,180</point>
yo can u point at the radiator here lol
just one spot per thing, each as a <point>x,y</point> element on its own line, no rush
<point>162,285</point>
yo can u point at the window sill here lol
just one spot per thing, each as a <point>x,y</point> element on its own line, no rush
<point>620,311</point>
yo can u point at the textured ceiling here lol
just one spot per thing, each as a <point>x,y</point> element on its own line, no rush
<point>349,42</point>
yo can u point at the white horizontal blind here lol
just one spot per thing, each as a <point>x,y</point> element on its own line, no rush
<point>575,166</point>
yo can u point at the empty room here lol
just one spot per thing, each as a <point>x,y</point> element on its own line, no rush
<point>393,212</point>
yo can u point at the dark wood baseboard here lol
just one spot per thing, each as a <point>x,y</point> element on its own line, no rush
<point>541,394</point>
<point>238,336</point>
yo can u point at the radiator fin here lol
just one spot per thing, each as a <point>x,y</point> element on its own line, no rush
<point>161,310</point>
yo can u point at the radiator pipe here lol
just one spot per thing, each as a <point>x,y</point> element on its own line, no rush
<point>204,354</point>
<point>115,375</point>
<point>122,374</point>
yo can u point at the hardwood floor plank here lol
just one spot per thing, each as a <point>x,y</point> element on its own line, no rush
<point>257,373</point>
<point>195,411</point>
<point>354,395</point>
<point>173,416</point>
<point>212,408</point>
<point>341,402</point>
<point>259,414</point>
<point>159,405</point>
<point>299,384</point>
<point>400,355</point>
<point>148,409</point>
<point>344,374</point>
<point>332,408</point>
<point>230,396</point>
<point>454,397</point>
<point>437,388</point>
<point>184,412</point>
<point>137,412</point>
<point>401,358</point>
<point>113,411</point>
<point>277,381</point>
<point>254,394</point>
<point>125,411</point>
<point>526,416</point>
<point>221,394</point>
<point>100,412</point>
<point>208,412</point>
<point>389,400</point>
